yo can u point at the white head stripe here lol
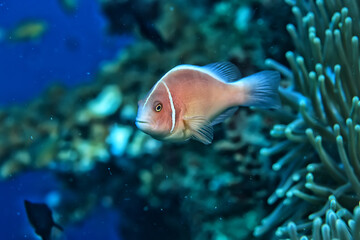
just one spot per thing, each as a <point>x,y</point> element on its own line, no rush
<point>147,99</point>
<point>172,108</point>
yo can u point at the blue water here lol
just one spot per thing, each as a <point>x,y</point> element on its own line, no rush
<point>38,187</point>
<point>13,220</point>
<point>69,52</point>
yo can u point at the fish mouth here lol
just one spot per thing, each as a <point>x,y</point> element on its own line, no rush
<point>143,125</point>
<point>140,121</point>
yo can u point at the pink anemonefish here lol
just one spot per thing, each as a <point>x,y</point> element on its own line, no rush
<point>188,100</point>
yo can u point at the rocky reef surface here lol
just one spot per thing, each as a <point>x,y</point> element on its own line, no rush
<point>87,137</point>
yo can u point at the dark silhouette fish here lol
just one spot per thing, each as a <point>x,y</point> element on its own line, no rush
<point>125,15</point>
<point>40,217</point>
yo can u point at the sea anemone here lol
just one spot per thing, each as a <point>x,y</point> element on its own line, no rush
<point>317,150</point>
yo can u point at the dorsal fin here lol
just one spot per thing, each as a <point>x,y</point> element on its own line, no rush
<point>226,71</point>
<point>201,129</point>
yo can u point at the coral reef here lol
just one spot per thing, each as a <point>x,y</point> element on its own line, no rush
<point>218,190</point>
<point>189,191</point>
<point>318,147</point>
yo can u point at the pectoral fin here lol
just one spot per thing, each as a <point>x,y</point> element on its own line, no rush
<point>201,129</point>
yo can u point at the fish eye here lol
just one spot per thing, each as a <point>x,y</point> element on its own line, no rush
<point>158,107</point>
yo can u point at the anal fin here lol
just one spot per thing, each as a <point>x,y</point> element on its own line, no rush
<point>228,113</point>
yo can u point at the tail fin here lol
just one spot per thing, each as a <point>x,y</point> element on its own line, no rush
<point>58,226</point>
<point>261,89</point>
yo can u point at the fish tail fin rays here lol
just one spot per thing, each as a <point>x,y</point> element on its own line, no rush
<point>261,90</point>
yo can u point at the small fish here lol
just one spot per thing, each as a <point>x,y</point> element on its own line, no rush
<point>189,100</point>
<point>40,217</point>
<point>28,30</point>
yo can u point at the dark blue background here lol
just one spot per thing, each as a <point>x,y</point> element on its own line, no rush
<point>37,187</point>
<point>69,52</point>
